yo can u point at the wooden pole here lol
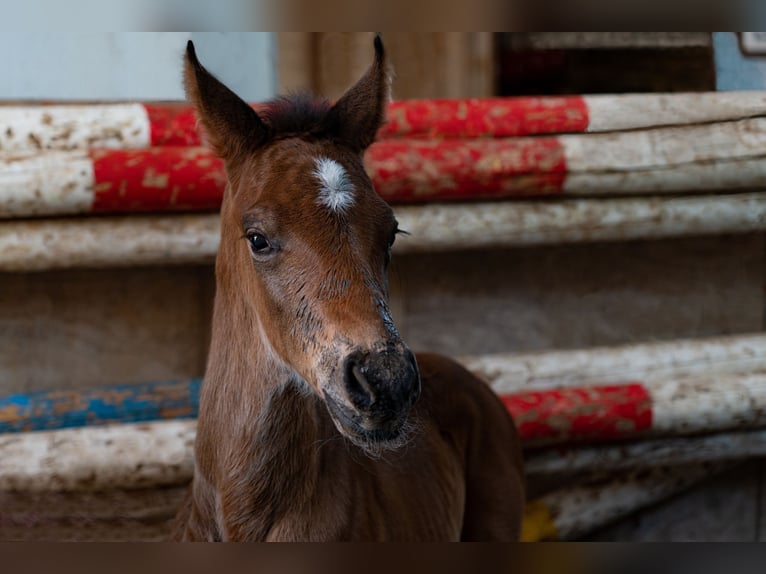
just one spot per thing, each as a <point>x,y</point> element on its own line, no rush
<point>572,512</point>
<point>98,458</point>
<point>649,362</point>
<point>160,240</point>
<point>718,157</point>
<point>725,446</point>
<point>160,452</point>
<point>32,128</point>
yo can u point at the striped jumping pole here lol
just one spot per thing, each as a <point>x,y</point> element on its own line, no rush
<point>707,157</point>
<point>553,416</point>
<point>188,238</point>
<point>674,407</point>
<point>64,127</point>
<point>572,512</point>
<point>656,364</point>
<point>687,361</point>
<point>599,412</point>
<point>60,458</point>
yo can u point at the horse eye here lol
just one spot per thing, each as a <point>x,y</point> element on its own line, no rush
<point>388,250</point>
<point>258,242</point>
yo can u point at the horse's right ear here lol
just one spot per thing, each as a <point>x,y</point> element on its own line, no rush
<point>360,112</point>
<point>232,127</point>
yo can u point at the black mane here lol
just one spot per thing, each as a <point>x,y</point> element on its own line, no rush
<point>297,114</point>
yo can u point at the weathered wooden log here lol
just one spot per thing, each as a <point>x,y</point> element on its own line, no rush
<point>667,160</point>
<point>160,240</point>
<point>730,446</point>
<point>98,458</point>
<point>108,242</point>
<point>573,512</point>
<point>134,125</point>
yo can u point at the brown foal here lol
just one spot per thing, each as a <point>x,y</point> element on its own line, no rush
<point>316,421</point>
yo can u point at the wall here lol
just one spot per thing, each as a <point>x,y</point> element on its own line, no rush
<point>131,66</point>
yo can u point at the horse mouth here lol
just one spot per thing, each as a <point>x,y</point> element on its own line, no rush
<point>383,435</point>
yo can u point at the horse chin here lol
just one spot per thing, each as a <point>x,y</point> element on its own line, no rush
<point>376,441</point>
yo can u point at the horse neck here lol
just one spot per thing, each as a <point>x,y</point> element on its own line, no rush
<point>255,417</point>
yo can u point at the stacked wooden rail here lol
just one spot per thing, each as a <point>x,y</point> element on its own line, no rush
<point>131,184</point>
<point>444,165</point>
<point>692,407</point>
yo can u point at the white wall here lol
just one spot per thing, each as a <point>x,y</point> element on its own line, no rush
<point>131,65</point>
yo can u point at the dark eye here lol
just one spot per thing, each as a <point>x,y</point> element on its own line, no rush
<point>258,242</point>
<point>388,249</point>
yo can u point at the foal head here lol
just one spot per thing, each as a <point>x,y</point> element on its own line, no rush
<point>306,242</point>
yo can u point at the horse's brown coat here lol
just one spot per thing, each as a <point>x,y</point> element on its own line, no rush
<point>292,443</point>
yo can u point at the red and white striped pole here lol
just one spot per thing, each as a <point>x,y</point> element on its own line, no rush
<point>135,125</point>
<point>631,410</point>
<point>110,455</point>
<point>403,171</point>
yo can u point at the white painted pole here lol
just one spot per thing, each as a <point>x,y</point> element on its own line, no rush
<point>158,240</point>
<point>103,242</point>
<point>645,362</point>
<point>635,111</point>
<point>98,458</point>
<point>573,512</point>
<point>442,227</point>
<point>33,127</point>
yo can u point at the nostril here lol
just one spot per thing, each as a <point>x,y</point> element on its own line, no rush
<point>416,385</point>
<point>363,382</point>
<point>357,386</point>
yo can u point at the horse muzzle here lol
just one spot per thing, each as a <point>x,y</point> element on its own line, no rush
<point>378,389</point>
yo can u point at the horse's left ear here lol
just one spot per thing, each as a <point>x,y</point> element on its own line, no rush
<point>359,113</point>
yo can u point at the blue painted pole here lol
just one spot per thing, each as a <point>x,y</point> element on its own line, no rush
<point>48,410</point>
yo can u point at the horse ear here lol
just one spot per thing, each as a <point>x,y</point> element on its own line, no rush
<point>231,125</point>
<point>359,113</point>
